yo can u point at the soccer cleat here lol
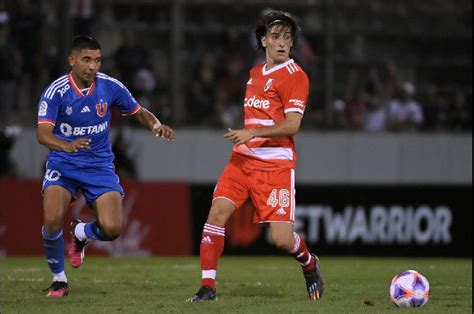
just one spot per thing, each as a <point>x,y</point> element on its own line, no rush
<point>314,281</point>
<point>58,289</point>
<point>205,293</point>
<point>77,247</point>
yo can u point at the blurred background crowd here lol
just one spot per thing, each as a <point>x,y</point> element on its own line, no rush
<point>374,65</point>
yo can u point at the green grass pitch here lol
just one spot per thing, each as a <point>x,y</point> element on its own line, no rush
<point>267,284</point>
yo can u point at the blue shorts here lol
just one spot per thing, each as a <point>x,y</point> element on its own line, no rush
<point>92,181</point>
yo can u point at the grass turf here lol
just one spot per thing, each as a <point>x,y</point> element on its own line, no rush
<point>245,285</point>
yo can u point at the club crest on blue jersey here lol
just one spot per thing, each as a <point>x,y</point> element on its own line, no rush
<point>101,109</point>
<point>69,110</point>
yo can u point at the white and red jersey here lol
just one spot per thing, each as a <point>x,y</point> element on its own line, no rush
<point>270,95</point>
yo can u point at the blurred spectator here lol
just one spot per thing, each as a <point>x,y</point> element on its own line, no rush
<point>107,34</point>
<point>203,94</point>
<point>82,16</point>
<point>144,84</point>
<point>443,112</point>
<point>376,117</point>
<point>9,71</point>
<point>27,31</point>
<point>7,139</point>
<point>377,94</point>
<point>130,57</point>
<point>163,106</point>
<point>124,164</point>
<point>405,114</point>
<point>340,121</point>
<point>357,108</point>
<point>365,36</point>
<point>461,116</point>
<point>430,109</point>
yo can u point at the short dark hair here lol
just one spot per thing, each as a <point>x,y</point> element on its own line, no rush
<point>276,18</point>
<point>85,42</point>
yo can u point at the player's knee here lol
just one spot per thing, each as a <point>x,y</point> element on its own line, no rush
<point>111,231</point>
<point>217,216</point>
<point>282,243</point>
<point>53,221</point>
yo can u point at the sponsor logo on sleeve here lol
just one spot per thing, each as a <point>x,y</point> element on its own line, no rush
<point>43,109</point>
<point>297,102</point>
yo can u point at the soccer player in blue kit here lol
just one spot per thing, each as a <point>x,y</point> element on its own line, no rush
<point>74,123</point>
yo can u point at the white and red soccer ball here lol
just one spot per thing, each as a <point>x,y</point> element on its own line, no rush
<point>409,289</point>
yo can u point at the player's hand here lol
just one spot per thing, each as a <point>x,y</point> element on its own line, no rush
<point>239,137</point>
<point>164,131</point>
<point>77,145</point>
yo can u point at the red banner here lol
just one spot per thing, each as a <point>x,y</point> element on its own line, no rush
<point>157,219</point>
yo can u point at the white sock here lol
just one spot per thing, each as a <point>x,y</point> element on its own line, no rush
<point>79,231</point>
<point>60,277</point>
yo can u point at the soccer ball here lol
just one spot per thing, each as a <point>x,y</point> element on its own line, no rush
<point>409,289</point>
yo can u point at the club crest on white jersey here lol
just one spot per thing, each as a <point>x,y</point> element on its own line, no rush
<point>268,85</point>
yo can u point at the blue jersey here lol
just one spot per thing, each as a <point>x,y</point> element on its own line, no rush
<point>84,114</point>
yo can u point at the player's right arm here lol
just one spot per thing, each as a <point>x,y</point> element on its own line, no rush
<point>45,137</point>
<point>47,115</point>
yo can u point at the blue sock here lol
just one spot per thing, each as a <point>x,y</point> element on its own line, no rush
<point>53,244</point>
<point>93,231</point>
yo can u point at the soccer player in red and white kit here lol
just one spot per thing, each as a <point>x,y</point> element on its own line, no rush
<point>262,163</point>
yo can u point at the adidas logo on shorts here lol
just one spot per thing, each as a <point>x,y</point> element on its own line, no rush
<point>280,211</point>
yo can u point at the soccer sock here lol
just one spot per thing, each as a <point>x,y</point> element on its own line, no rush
<point>212,246</point>
<point>60,277</point>
<point>93,231</point>
<point>301,254</point>
<point>79,231</point>
<point>53,244</point>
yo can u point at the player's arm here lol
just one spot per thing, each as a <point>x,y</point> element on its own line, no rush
<point>288,127</point>
<point>150,121</point>
<point>45,136</point>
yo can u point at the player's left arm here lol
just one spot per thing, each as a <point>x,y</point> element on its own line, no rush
<point>150,121</point>
<point>293,94</point>
<point>287,127</point>
<point>129,106</point>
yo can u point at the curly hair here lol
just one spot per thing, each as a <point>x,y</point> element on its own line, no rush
<point>279,18</point>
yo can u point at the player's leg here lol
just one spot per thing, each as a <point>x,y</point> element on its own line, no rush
<point>107,227</point>
<point>292,243</point>
<point>212,246</point>
<point>109,224</point>
<point>288,241</point>
<point>229,194</point>
<point>56,200</point>
<point>275,202</point>
<point>104,194</point>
